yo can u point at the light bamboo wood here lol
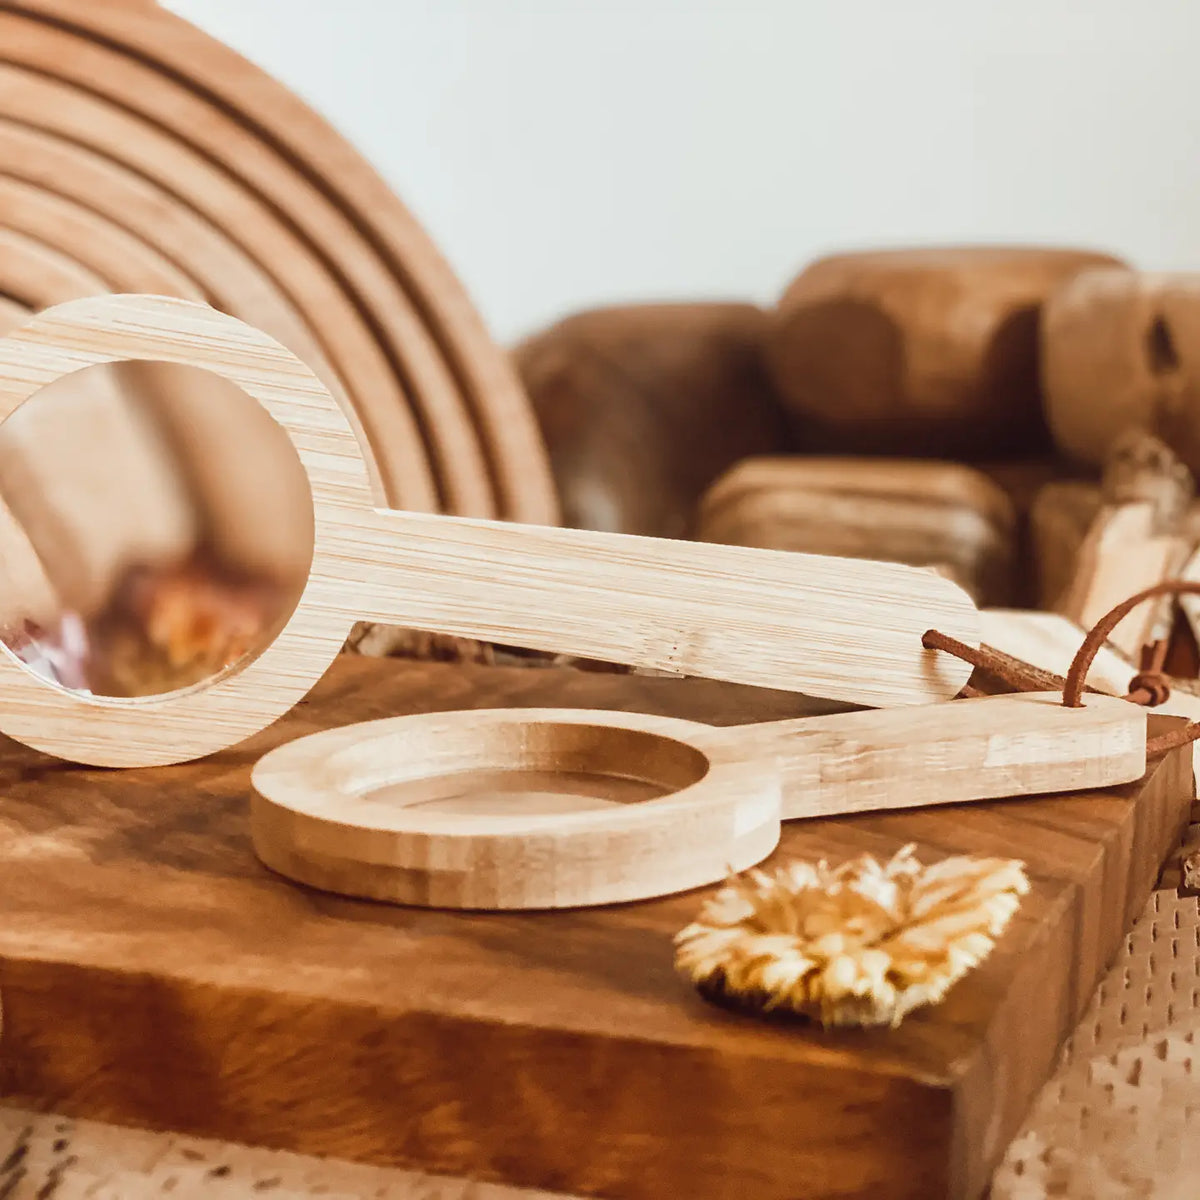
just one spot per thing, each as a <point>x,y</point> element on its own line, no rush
<point>1049,641</point>
<point>324,165</point>
<point>231,280</point>
<point>843,629</point>
<point>37,275</point>
<point>1124,551</point>
<point>79,517</point>
<point>190,181</point>
<point>98,244</point>
<point>555,808</point>
<point>390,395</point>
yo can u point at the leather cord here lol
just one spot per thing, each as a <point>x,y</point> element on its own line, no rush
<point>1149,687</point>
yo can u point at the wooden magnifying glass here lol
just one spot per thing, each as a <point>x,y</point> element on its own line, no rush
<point>557,808</point>
<point>840,629</point>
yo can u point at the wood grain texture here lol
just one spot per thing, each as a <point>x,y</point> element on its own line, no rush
<point>231,280</point>
<point>153,62</point>
<point>846,629</point>
<point>643,406</point>
<point>1123,552</point>
<point>1049,641</point>
<point>510,809</point>
<point>47,105</point>
<point>922,350</point>
<point>37,275</point>
<point>1120,352</point>
<point>102,247</point>
<point>154,974</point>
<point>939,515</point>
<point>562,808</point>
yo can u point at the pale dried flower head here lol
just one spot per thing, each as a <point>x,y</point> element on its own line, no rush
<point>863,943</point>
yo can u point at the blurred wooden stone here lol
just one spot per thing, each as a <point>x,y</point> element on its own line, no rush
<point>1059,520</point>
<point>1121,351</point>
<point>642,407</point>
<point>1139,534</point>
<point>1140,469</point>
<point>920,351</point>
<point>939,515</point>
<point>90,478</point>
<point>27,594</point>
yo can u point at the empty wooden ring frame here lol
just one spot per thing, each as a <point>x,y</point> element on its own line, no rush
<point>555,808</point>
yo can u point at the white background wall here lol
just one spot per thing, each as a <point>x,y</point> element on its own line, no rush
<point>565,153</point>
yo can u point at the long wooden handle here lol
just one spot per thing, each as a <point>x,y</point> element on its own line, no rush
<point>842,629</point>
<point>978,749</point>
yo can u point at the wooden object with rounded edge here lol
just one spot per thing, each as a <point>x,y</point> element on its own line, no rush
<point>1124,551</point>
<point>436,401</point>
<point>487,377</point>
<point>46,472</point>
<point>643,406</point>
<point>28,594</point>
<point>157,64</point>
<point>849,630</point>
<point>939,515</point>
<point>929,351</point>
<point>1049,641</point>
<point>1121,351</point>
<point>93,241</point>
<point>37,276</point>
<point>230,279</point>
<point>398,456</point>
<point>49,473</point>
<point>556,808</point>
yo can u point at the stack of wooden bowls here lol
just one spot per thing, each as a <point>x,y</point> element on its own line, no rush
<point>139,155</point>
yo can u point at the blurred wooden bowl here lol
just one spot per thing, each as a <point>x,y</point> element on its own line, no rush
<point>642,407</point>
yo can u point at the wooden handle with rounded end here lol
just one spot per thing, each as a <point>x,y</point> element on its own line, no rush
<point>978,749</point>
<point>842,629</point>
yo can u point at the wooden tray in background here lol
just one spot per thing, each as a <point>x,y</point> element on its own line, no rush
<point>153,973</point>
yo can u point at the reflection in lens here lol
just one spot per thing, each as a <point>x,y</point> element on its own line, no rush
<point>155,529</point>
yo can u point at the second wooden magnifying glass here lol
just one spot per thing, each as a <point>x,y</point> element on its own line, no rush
<point>554,808</point>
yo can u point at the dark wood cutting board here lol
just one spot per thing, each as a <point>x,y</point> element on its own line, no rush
<point>153,973</point>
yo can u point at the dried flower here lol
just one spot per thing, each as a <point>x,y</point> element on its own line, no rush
<point>858,944</point>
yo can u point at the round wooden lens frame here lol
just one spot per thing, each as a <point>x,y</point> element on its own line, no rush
<point>188,724</point>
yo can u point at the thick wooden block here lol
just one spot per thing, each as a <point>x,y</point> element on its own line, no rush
<point>920,351</point>
<point>153,973</point>
<point>939,515</point>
